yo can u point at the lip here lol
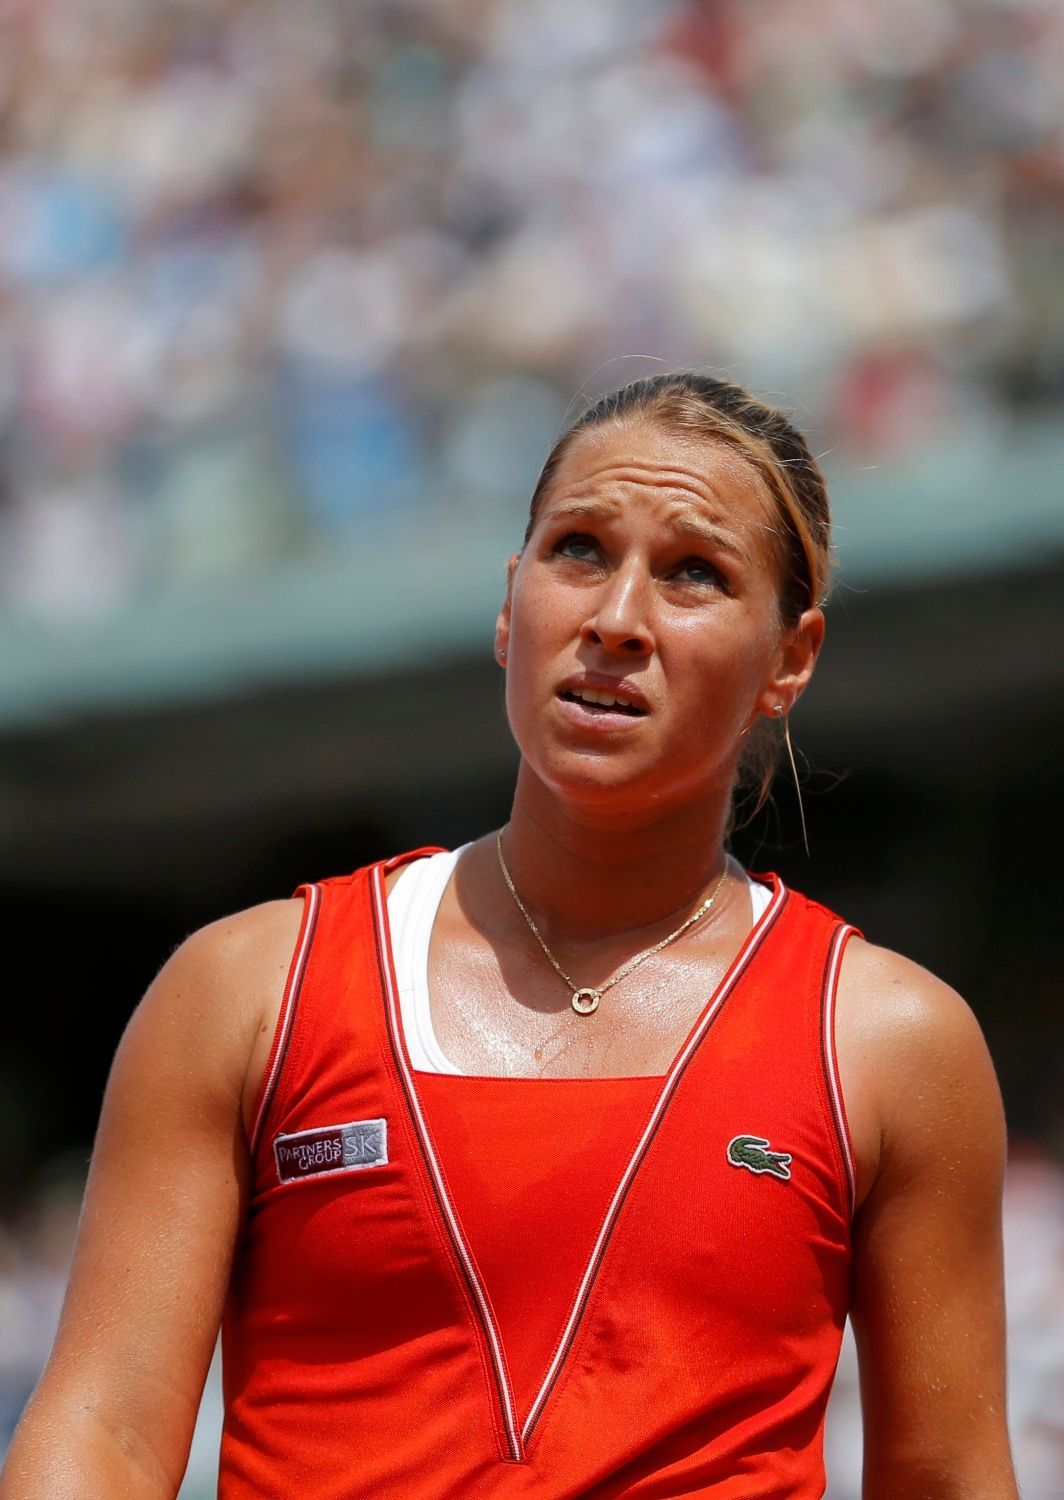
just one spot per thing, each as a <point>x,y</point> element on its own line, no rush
<point>621,687</point>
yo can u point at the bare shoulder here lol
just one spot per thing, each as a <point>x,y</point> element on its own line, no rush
<point>242,938</point>
<point>928,1304</point>
<point>216,999</point>
<point>912,1059</point>
<point>898,1003</point>
<point>217,975</point>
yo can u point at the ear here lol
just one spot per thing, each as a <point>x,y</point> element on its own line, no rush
<point>793,665</point>
<point>502,623</point>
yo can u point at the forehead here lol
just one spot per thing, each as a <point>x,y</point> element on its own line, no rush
<point>678,473</point>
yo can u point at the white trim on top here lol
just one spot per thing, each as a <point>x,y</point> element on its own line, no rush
<point>672,1078</point>
<point>495,1349</point>
<point>311,903</point>
<point>834,1078</point>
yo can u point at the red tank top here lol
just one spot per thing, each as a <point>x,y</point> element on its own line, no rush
<point>693,1347</point>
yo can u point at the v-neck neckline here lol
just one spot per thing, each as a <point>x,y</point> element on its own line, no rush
<point>518,1432</point>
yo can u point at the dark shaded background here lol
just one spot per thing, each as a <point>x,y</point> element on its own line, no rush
<point>932,743</point>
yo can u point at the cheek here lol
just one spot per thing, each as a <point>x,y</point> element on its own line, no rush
<point>531,645</point>
<point>726,672</point>
<point>542,620</point>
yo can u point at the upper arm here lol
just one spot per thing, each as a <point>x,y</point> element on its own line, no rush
<point>165,1199</point>
<point>928,1285</point>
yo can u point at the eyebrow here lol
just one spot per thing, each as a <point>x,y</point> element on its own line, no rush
<point>590,510</point>
<point>711,536</point>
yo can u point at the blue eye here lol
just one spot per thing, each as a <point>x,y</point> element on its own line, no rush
<point>697,570</point>
<point>577,545</point>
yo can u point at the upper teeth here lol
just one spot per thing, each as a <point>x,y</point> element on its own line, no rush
<point>595,695</point>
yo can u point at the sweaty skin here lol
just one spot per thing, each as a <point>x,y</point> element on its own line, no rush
<point>654,566</point>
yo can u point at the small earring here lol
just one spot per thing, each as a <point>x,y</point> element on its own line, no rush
<point>777,708</point>
<point>501,656</point>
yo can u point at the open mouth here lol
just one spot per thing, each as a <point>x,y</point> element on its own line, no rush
<point>598,702</point>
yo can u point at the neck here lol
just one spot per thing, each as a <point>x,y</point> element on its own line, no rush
<point>597,875</point>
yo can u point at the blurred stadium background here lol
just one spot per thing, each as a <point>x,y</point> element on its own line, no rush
<point>292,301</point>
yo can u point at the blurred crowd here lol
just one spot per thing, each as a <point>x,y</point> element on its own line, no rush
<point>34,1258</point>
<point>268,271</point>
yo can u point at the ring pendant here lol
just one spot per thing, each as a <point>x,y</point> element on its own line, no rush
<point>585,1001</point>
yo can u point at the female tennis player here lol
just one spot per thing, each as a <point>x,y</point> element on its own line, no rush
<point>552,1167</point>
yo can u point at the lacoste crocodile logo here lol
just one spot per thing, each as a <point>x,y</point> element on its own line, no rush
<point>752,1152</point>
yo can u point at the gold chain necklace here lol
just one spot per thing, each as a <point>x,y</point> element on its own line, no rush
<point>585,998</point>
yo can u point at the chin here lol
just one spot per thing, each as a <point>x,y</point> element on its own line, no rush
<point>605,787</point>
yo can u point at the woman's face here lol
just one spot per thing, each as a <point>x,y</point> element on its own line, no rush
<point>651,578</point>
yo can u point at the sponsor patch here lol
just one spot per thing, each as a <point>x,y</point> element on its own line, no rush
<point>331,1148</point>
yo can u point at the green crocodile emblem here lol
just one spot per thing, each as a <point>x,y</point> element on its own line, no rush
<point>752,1152</point>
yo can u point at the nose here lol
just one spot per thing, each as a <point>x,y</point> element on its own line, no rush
<point>618,620</point>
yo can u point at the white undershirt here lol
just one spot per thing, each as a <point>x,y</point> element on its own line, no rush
<point>413,902</point>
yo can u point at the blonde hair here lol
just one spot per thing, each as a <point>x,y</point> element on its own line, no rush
<point>691,404</point>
